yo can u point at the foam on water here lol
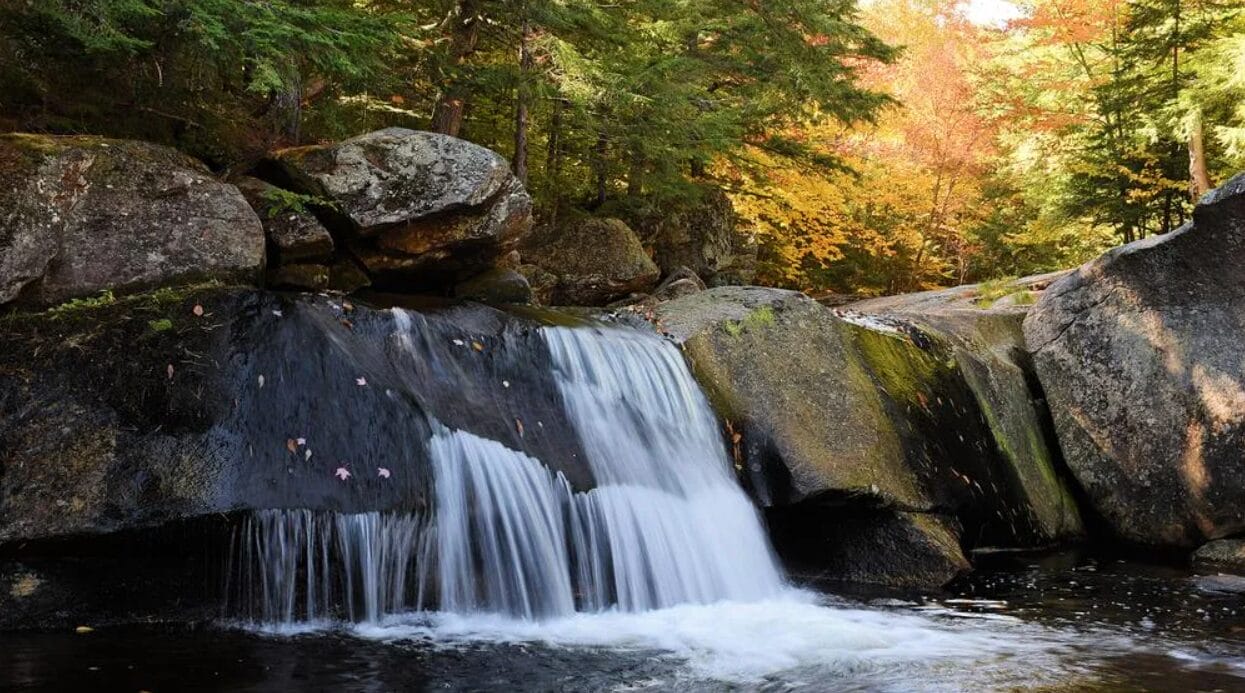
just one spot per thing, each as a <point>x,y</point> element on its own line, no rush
<point>788,636</point>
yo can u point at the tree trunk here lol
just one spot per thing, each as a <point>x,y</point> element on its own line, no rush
<point>635,175</point>
<point>553,164</point>
<point>464,29</point>
<point>1199,178</point>
<point>522,101</point>
<point>598,163</point>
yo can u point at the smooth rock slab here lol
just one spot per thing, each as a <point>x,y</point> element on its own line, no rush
<point>167,406</point>
<point>79,215</point>
<point>1142,356</point>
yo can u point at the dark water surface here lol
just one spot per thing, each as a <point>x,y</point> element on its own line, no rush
<point>1021,623</point>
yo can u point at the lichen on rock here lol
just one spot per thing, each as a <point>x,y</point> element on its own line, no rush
<point>85,214</point>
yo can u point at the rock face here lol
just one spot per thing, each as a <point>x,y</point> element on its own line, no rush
<point>588,262</point>
<point>79,215</point>
<point>1141,356</point>
<point>986,340</point>
<point>705,237</point>
<point>301,276</point>
<point>842,416</point>
<point>205,417</point>
<point>294,232</point>
<point>417,206</point>
<point>859,545</point>
<point>681,282</point>
<point>1222,556</point>
<point>496,286</point>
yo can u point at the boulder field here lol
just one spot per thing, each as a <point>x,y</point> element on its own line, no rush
<point>154,384</point>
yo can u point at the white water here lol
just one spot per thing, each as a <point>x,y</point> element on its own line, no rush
<point>666,523</point>
<point>790,636</point>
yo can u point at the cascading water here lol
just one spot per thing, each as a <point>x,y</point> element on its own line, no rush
<point>665,524</point>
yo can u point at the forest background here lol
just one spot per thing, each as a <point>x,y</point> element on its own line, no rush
<point>890,146</point>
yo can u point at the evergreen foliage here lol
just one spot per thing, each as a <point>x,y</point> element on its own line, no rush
<point>888,147</point>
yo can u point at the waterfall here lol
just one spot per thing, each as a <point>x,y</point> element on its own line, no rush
<point>665,524</point>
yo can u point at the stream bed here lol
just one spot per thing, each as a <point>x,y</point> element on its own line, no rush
<point>1060,622</point>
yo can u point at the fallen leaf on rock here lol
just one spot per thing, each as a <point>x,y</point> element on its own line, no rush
<point>276,313</point>
<point>477,346</point>
<point>347,306</point>
<point>342,473</point>
<point>519,426</point>
<point>170,371</point>
<point>346,324</point>
<point>302,441</point>
<point>361,381</point>
<point>382,472</point>
<point>291,445</point>
<point>261,381</point>
<point>459,342</point>
<point>83,629</point>
<point>505,383</point>
<point>308,455</point>
<point>197,310</point>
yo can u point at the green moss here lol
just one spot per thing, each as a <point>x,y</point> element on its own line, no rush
<point>761,317</point>
<point>711,374</point>
<point>903,370</point>
<point>995,290</point>
<point>34,144</point>
<point>758,319</point>
<point>161,325</point>
<point>1025,298</point>
<point>1016,430</point>
<point>105,298</point>
<point>107,307</point>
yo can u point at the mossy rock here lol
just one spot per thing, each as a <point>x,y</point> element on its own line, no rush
<point>824,409</point>
<point>988,349</point>
<point>595,261</point>
<point>782,372</point>
<point>86,214</point>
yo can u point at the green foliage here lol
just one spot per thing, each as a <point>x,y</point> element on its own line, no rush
<point>990,153</point>
<point>223,79</point>
<point>991,292</point>
<point>105,298</point>
<point>161,325</point>
<point>280,201</point>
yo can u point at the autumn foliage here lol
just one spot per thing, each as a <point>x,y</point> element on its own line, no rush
<point>1009,149</point>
